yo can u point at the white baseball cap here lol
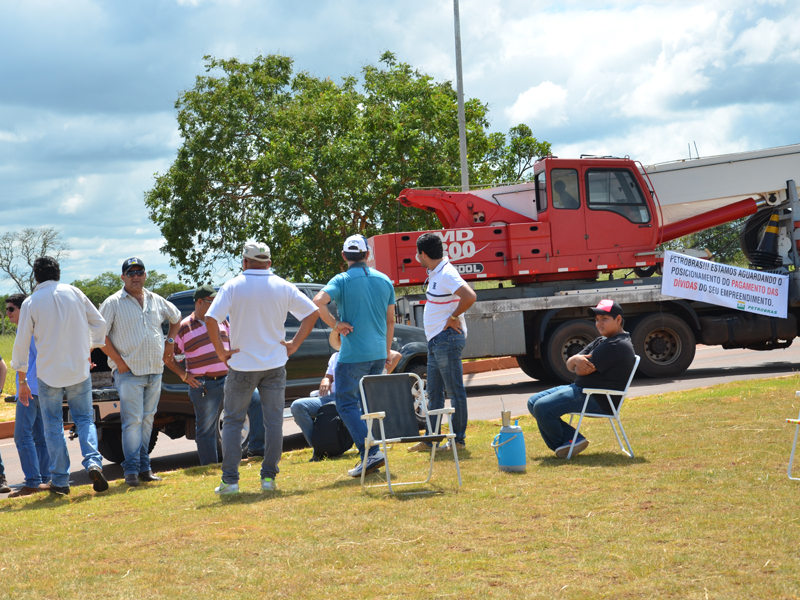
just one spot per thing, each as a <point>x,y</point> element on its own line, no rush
<point>256,251</point>
<point>355,243</point>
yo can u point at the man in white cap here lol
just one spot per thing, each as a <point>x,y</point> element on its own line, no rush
<point>257,302</point>
<point>605,363</point>
<point>365,299</point>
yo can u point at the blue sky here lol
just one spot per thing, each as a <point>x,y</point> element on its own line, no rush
<point>87,88</point>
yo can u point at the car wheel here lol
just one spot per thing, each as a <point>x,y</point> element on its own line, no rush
<point>109,443</point>
<point>422,372</point>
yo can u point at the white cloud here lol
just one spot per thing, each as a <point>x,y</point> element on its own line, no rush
<point>545,101</point>
<point>72,205</point>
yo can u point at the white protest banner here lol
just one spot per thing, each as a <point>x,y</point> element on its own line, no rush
<point>724,285</point>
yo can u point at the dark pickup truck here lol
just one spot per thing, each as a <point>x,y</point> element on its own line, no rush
<point>175,416</point>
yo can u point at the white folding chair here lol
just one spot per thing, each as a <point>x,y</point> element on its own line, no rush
<point>794,444</point>
<point>389,402</point>
<point>612,418</point>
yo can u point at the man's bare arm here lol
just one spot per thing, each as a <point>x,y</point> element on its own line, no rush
<point>306,325</point>
<point>322,299</point>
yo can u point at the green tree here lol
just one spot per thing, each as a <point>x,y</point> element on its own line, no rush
<point>722,241</point>
<point>101,287</point>
<point>19,250</point>
<point>302,162</point>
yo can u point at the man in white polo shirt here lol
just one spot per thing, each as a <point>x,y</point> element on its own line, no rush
<point>257,302</point>
<point>448,297</point>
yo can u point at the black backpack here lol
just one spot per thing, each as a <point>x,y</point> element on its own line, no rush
<point>330,436</point>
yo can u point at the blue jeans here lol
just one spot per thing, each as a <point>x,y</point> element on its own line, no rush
<point>445,371</point>
<point>305,411</point>
<point>79,400</point>
<point>348,397</point>
<point>239,388</point>
<point>548,407</point>
<point>207,401</point>
<point>31,445</point>
<point>138,400</point>
<point>255,439</point>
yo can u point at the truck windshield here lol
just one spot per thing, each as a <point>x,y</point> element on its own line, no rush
<point>616,190</point>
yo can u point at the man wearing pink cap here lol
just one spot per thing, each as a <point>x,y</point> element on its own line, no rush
<point>605,363</point>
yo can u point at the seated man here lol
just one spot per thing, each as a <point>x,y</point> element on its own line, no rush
<point>606,363</point>
<point>305,410</point>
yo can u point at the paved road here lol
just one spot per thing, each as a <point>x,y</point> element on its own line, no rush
<point>711,366</point>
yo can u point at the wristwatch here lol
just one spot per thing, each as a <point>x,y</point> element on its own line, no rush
<point>455,318</point>
<point>170,340</point>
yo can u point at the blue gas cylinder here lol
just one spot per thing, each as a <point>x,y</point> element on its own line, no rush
<point>509,446</point>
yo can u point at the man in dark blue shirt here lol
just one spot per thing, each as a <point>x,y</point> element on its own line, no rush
<point>606,363</point>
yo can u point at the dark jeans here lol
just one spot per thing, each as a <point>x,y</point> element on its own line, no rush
<point>445,371</point>
<point>548,407</point>
<point>348,398</point>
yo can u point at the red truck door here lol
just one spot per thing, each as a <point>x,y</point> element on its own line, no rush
<point>617,212</point>
<point>567,223</point>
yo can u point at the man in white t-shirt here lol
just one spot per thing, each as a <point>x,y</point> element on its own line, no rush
<point>257,302</point>
<point>447,298</point>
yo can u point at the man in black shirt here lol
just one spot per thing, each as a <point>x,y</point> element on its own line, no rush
<point>606,363</point>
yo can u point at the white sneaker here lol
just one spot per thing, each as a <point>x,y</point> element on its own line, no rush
<point>227,488</point>
<point>374,462</point>
<point>268,485</point>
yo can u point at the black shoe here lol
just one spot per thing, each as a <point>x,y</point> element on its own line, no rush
<point>99,482</point>
<point>257,453</point>
<point>4,489</point>
<point>132,479</point>
<point>316,458</point>
<point>149,476</point>
<point>59,491</point>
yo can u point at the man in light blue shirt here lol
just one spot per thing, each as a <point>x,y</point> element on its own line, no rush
<point>365,299</point>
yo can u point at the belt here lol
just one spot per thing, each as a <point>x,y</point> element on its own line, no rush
<point>207,378</point>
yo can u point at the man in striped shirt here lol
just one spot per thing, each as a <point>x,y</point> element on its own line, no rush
<point>136,354</point>
<point>204,373</point>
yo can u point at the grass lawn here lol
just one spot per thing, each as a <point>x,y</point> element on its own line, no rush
<point>705,510</point>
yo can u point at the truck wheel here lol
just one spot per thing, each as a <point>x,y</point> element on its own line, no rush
<point>110,444</point>
<point>533,367</point>
<point>567,340</point>
<point>665,343</point>
<point>422,372</point>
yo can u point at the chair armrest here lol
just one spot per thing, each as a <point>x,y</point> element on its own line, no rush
<point>375,415</point>
<point>442,411</point>
<point>591,391</point>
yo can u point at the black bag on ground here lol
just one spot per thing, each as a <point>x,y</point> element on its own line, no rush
<point>330,436</point>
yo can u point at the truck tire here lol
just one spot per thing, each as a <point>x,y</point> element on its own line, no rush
<point>566,341</point>
<point>665,344</point>
<point>110,444</point>
<point>533,367</point>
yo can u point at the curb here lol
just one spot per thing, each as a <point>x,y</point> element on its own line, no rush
<point>474,366</point>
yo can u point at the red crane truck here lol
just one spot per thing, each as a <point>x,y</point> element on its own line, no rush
<point>578,218</point>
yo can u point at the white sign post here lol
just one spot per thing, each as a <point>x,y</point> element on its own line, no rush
<point>724,285</point>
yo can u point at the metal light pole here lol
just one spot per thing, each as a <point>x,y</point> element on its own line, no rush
<point>462,127</point>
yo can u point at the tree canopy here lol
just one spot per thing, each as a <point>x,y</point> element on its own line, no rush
<point>101,287</point>
<point>301,162</point>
